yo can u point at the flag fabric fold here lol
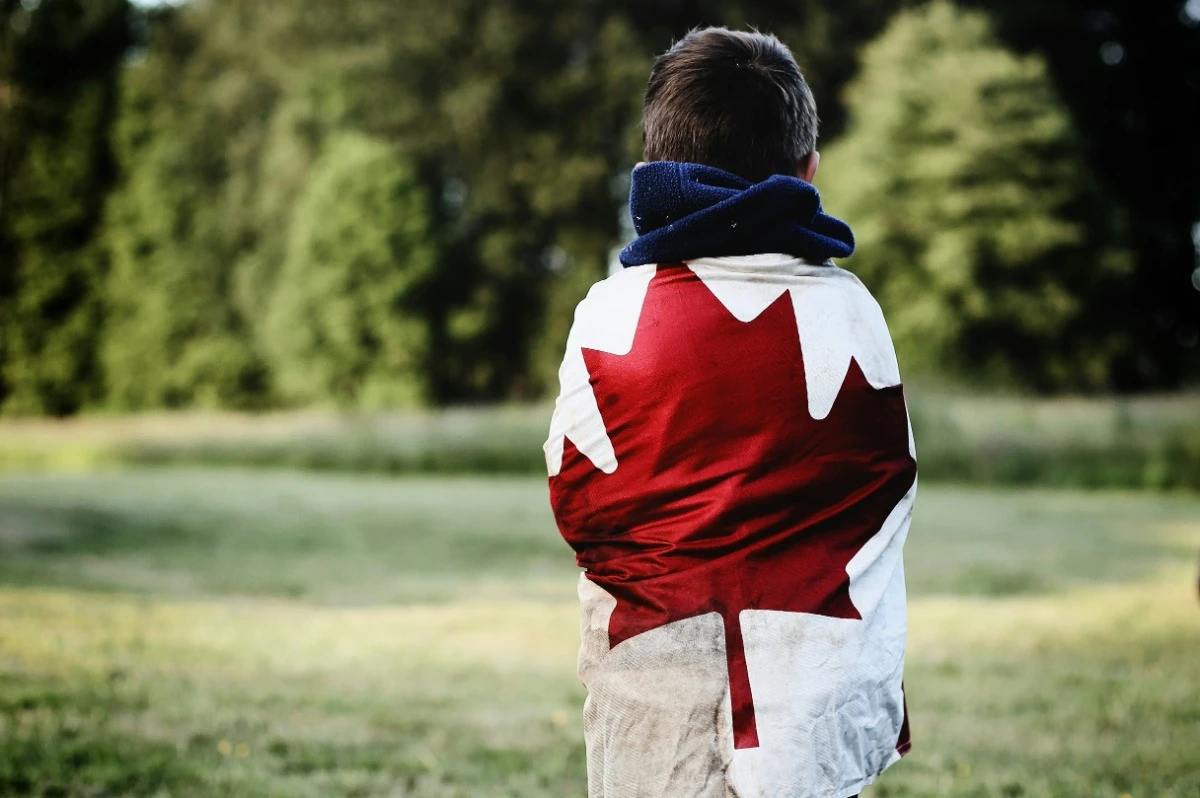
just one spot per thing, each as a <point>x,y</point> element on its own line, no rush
<point>732,462</point>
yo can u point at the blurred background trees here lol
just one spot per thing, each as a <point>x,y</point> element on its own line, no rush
<point>998,256</point>
<point>1129,72</point>
<point>344,320</point>
<point>251,205</point>
<point>59,66</point>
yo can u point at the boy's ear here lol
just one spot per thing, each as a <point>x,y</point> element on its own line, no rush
<point>807,169</point>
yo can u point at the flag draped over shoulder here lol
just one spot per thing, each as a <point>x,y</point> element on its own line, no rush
<point>731,460</point>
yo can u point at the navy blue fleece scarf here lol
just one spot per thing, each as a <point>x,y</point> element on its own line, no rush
<point>683,211</point>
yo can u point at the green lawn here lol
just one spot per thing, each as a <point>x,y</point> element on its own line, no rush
<point>257,633</point>
<point>1145,442</point>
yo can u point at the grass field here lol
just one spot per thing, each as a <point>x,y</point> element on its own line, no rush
<point>262,633</point>
<point>1100,442</point>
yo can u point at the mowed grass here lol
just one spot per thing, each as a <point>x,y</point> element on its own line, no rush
<point>257,633</point>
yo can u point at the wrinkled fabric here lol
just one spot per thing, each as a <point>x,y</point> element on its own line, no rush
<point>731,459</point>
<point>683,211</point>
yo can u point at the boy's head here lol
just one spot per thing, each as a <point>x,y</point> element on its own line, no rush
<point>733,100</point>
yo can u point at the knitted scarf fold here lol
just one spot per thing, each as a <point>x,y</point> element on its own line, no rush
<point>684,211</point>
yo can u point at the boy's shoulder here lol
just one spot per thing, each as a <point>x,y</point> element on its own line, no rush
<point>616,293</point>
<point>836,317</point>
<point>619,284</point>
<point>607,317</point>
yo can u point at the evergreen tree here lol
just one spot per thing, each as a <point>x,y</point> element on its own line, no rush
<point>980,228</point>
<point>345,322</point>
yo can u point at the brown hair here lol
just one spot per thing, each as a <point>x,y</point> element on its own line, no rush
<point>730,99</point>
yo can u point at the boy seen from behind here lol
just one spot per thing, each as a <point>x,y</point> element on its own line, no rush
<point>732,462</point>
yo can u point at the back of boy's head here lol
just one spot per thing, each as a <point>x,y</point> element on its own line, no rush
<point>729,99</point>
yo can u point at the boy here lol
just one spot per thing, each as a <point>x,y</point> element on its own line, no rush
<point>731,460</point>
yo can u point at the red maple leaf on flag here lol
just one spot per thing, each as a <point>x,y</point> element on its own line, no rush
<point>728,495</point>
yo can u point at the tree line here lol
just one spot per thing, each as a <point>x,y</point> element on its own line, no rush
<point>380,204</point>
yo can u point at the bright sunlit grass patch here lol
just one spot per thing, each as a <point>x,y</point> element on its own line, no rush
<point>62,631</point>
<point>1149,609</point>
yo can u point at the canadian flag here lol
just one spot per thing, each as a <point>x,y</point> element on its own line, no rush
<point>731,459</point>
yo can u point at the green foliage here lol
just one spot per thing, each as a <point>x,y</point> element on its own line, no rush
<point>979,227</point>
<point>1128,73</point>
<point>516,122</point>
<point>58,71</point>
<point>174,335</point>
<point>510,120</point>
<point>513,118</point>
<point>345,321</point>
<point>49,365</point>
<point>309,111</point>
